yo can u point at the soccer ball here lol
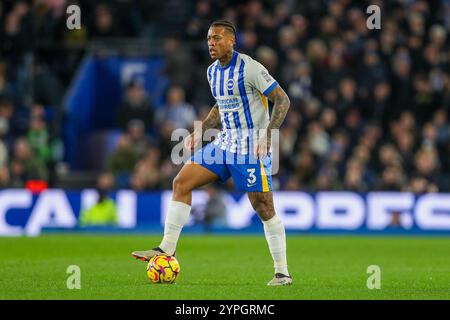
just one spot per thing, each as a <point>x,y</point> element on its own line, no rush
<point>163,269</point>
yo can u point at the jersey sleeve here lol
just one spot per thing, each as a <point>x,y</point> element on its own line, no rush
<point>260,78</point>
<point>209,71</point>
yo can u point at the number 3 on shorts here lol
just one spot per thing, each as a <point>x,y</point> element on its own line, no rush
<point>251,176</point>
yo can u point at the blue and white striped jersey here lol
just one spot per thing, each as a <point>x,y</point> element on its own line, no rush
<point>240,89</point>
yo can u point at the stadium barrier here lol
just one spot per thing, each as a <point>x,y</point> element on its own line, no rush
<point>25,213</point>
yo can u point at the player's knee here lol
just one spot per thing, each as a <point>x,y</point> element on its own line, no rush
<point>179,185</point>
<point>264,210</point>
<point>258,207</point>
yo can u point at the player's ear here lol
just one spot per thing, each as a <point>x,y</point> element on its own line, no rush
<point>233,41</point>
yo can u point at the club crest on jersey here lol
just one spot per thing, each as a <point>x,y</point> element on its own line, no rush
<point>230,84</point>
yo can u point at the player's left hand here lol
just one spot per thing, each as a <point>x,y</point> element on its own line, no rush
<point>262,148</point>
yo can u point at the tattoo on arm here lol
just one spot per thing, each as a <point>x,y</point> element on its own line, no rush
<point>280,107</point>
<point>212,120</point>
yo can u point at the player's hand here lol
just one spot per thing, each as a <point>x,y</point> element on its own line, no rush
<point>262,148</point>
<point>192,141</point>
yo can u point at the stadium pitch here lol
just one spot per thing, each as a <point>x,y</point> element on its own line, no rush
<point>226,267</point>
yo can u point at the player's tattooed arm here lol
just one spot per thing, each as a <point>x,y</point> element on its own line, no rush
<point>212,120</point>
<point>281,105</point>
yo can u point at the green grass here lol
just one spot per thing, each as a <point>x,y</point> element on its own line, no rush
<point>226,267</point>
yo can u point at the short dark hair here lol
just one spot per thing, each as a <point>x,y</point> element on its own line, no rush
<point>226,24</point>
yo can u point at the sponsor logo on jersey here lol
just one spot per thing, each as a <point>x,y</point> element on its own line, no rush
<point>228,104</point>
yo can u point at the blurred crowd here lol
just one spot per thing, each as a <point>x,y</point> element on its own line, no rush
<point>369,108</point>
